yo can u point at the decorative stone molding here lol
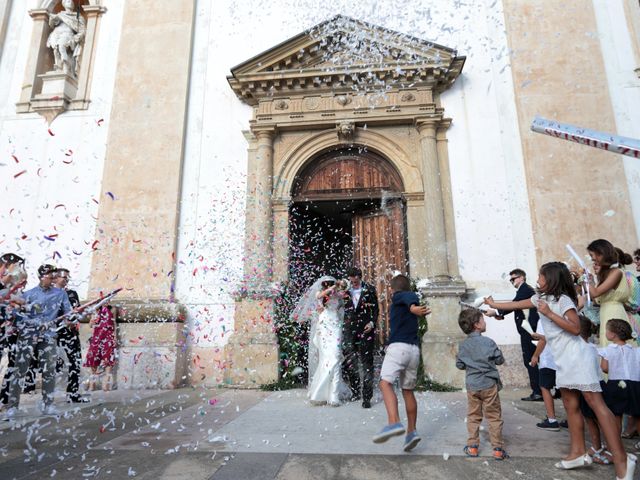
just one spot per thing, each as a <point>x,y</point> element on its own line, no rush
<point>280,105</point>
<point>407,97</point>
<point>343,100</point>
<point>345,130</point>
<point>50,92</point>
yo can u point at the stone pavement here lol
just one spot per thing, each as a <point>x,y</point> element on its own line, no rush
<point>221,434</point>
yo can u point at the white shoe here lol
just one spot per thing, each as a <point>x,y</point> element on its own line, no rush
<point>631,467</point>
<point>50,410</point>
<point>11,412</point>
<point>581,461</point>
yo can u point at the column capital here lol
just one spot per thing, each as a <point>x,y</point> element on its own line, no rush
<point>264,133</point>
<point>91,10</point>
<point>427,126</point>
<point>39,13</point>
<point>443,126</point>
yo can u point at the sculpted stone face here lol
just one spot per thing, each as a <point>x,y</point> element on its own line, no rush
<point>68,4</point>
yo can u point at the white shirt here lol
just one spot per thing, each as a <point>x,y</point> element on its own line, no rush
<point>355,296</point>
<point>546,357</point>
<point>624,361</point>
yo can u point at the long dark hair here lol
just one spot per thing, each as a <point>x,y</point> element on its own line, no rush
<point>609,256</point>
<point>558,281</point>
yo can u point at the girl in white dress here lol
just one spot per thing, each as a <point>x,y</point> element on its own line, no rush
<point>578,366</point>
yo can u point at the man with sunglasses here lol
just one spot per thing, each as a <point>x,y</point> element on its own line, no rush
<point>518,279</point>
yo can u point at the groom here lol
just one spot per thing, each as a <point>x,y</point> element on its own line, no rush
<point>360,317</point>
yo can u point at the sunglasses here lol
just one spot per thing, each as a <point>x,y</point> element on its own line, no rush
<point>11,258</point>
<point>513,279</point>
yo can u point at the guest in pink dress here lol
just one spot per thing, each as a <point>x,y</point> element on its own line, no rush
<point>102,346</point>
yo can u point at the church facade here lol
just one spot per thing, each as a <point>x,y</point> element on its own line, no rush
<point>202,157</point>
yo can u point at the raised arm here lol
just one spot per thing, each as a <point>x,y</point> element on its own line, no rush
<point>569,321</point>
<point>611,282</point>
<point>520,305</point>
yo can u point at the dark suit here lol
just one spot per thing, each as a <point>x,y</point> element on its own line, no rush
<point>357,345</point>
<point>69,340</point>
<point>525,292</point>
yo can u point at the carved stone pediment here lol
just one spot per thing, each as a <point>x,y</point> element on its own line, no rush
<point>342,53</point>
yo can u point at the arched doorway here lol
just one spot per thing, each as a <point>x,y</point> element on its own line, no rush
<point>347,209</point>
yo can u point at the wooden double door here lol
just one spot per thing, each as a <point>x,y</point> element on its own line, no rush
<point>350,188</point>
<point>379,249</point>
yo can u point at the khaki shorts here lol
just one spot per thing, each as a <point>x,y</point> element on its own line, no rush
<point>401,361</point>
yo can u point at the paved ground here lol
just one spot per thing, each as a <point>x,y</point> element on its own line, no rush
<point>241,434</point>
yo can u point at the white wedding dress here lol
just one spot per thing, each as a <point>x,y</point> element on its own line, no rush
<point>326,385</point>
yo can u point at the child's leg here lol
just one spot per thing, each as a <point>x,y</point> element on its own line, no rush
<point>390,402</point>
<point>411,406</point>
<point>548,403</point>
<point>594,433</point>
<point>107,382</point>
<point>474,417</point>
<point>493,413</point>
<point>610,429</point>
<point>571,401</point>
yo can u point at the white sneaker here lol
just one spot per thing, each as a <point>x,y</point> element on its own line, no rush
<point>50,410</point>
<point>11,412</point>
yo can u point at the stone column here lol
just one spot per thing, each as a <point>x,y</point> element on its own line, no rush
<point>38,59</point>
<point>92,14</point>
<point>416,233</point>
<point>251,356</point>
<point>447,198</point>
<point>436,248</point>
<point>138,217</point>
<point>281,240</point>
<point>440,343</point>
<point>5,10</point>
<point>259,220</point>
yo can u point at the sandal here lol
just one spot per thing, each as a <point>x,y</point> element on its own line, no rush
<point>600,456</point>
<point>637,446</point>
<point>628,435</point>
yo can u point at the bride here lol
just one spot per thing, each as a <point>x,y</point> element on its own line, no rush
<point>322,307</point>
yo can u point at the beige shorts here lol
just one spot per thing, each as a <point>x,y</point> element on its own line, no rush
<point>401,361</point>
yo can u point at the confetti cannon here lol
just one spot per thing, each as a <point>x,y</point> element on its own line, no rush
<point>592,138</point>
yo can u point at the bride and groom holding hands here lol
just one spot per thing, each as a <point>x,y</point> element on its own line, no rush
<point>342,318</point>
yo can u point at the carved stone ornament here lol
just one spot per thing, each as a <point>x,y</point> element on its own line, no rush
<point>343,100</point>
<point>408,97</point>
<point>311,103</point>
<point>281,105</point>
<point>345,130</point>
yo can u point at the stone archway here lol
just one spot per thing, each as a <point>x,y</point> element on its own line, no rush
<point>307,101</point>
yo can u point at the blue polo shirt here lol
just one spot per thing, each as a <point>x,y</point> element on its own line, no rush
<point>42,307</point>
<point>404,324</point>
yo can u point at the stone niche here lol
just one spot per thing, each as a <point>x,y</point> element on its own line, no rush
<point>48,88</point>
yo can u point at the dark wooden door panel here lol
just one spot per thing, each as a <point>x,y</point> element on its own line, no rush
<point>379,250</point>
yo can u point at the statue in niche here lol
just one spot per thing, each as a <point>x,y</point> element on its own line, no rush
<point>66,38</point>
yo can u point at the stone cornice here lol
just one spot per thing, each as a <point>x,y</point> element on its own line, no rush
<point>319,61</point>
